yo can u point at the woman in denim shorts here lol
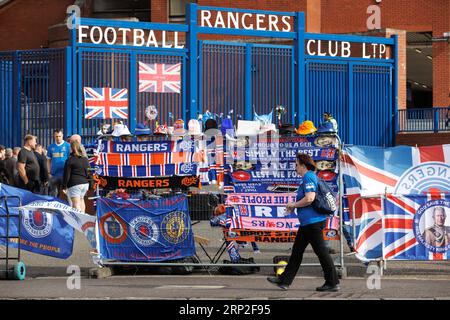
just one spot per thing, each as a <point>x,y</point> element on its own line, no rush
<point>76,176</point>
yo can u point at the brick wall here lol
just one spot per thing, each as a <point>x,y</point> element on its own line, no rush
<point>401,72</point>
<point>24,23</point>
<point>345,16</point>
<point>441,56</point>
<point>422,139</point>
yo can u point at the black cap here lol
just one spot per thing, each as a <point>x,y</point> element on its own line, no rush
<point>210,124</point>
<point>287,128</point>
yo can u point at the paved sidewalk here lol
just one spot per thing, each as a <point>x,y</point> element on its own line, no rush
<point>223,287</point>
<point>40,266</point>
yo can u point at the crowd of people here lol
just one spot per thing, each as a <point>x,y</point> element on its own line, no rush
<point>61,168</point>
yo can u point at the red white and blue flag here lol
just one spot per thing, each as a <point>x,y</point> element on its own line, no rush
<point>105,103</point>
<point>159,77</point>
<point>409,227</point>
<point>402,170</point>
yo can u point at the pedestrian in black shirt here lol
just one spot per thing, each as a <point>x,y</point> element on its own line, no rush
<point>4,175</point>
<point>76,176</point>
<point>11,165</point>
<point>28,166</point>
<point>43,177</point>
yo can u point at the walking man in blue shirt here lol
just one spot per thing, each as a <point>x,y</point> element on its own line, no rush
<point>57,155</point>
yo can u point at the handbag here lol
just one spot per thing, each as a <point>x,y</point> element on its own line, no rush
<point>325,200</point>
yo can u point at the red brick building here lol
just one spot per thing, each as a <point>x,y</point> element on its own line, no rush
<point>424,56</point>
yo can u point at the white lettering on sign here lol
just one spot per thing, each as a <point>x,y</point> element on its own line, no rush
<point>120,36</point>
<point>100,35</point>
<point>247,21</point>
<point>266,212</point>
<point>345,49</point>
<point>113,35</point>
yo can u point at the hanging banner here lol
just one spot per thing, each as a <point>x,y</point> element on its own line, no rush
<point>159,77</point>
<point>105,103</point>
<point>151,230</point>
<point>408,170</point>
<point>262,165</point>
<point>403,170</point>
<point>258,187</point>
<point>147,171</point>
<point>260,199</point>
<point>273,218</point>
<point>146,159</point>
<point>176,182</point>
<point>251,176</point>
<point>275,187</point>
<point>264,155</point>
<point>261,236</point>
<point>77,219</point>
<point>287,142</point>
<point>42,231</point>
<point>283,149</point>
<point>416,227</point>
<point>184,145</point>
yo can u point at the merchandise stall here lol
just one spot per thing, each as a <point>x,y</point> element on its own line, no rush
<point>143,186</point>
<point>250,172</point>
<point>261,178</point>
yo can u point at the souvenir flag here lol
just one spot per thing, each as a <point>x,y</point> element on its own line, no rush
<point>184,145</point>
<point>151,230</point>
<point>159,77</point>
<point>147,171</point>
<point>41,230</point>
<point>260,217</point>
<point>402,170</point>
<point>416,227</point>
<point>146,159</point>
<point>77,219</point>
<point>105,103</point>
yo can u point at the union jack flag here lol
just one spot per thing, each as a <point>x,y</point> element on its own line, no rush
<point>159,77</point>
<point>404,225</point>
<point>373,171</point>
<point>105,103</point>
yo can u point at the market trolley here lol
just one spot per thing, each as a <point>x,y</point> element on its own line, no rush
<point>18,270</point>
<point>215,257</point>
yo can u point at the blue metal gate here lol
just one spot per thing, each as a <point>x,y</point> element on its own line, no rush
<point>359,97</point>
<point>6,99</point>
<point>246,78</point>
<point>360,93</point>
<point>102,66</point>
<point>33,94</point>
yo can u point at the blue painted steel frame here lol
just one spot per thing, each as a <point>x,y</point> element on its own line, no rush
<point>300,60</point>
<point>17,109</point>
<point>248,82</point>
<point>192,44</point>
<point>395,80</point>
<point>78,48</point>
<point>74,111</point>
<point>68,96</point>
<point>192,101</point>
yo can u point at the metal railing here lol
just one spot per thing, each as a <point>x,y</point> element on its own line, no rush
<point>424,120</point>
